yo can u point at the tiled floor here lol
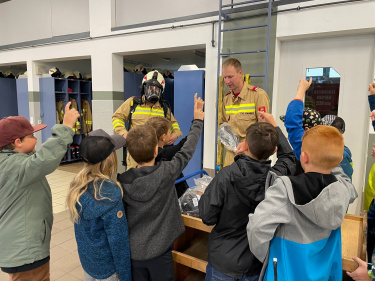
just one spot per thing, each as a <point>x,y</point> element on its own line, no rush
<point>65,264</point>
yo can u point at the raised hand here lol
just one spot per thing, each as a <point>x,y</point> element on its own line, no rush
<point>371,88</point>
<point>267,117</point>
<point>303,84</point>
<point>200,102</point>
<point>242,147</point>
<point>70,116</point>
<point>198,108</point>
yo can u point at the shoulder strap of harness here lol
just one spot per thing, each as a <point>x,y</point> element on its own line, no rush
<point>135,102</point>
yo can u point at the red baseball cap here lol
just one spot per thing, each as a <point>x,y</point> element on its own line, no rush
<point>16,127</point>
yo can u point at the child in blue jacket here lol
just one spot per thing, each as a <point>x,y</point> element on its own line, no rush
<point>95,204</point>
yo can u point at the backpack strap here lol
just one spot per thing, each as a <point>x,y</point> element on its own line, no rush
<point>165,107</point>
<point>135,102</point>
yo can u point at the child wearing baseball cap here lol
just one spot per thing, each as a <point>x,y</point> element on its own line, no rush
<point>25,196</point>
<point>96,208</point>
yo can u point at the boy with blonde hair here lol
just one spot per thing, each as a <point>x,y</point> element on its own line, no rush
<point>25,196</point>
<point>296,230</point>
<point>152,208</point>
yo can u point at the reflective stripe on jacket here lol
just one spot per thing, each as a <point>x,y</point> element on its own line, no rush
<point>141,114</point>
<point>242,111</point>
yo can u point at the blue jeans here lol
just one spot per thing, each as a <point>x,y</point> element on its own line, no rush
<point>214,275</point>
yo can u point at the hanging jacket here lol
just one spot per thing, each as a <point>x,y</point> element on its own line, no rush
<point>59,112</point>
<point>77,127</point>
<point>26,200</point>
<point>86,116</point>
<point>232,194</point>
<point>298,223</point>
<point>102,233</point>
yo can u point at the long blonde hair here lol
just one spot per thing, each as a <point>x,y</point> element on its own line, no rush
<point>105,170</point>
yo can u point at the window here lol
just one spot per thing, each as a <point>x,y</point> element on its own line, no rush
<point>323,95</point>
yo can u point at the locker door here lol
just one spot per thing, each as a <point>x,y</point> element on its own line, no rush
<point>186,84</point>
<point>23,98</point>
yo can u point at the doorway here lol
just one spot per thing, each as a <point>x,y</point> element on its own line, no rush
<point>352,58</point>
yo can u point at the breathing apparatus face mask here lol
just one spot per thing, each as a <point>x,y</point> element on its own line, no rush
<point>152,93</point>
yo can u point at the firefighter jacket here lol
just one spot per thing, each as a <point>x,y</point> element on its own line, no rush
<point>59,112</point>
<point>141,114</point>
<point>86,116</point>
<point>242,111</point>
<point>77,127</point>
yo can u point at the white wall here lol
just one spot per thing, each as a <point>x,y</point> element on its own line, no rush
<point>136,12</point>
<point>24,21</point>
<point>330,36</point>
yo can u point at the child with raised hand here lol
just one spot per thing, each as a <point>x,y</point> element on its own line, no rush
<point>162,128</point>
<point>234,193</point>
<point>295,231</point>
<point>96,208</point>
<point>152,207</point>
<point>26,215</point>
<point>299,119</point>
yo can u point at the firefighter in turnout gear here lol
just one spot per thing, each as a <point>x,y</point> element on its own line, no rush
<point>242,104</point>
<point>139,109</point>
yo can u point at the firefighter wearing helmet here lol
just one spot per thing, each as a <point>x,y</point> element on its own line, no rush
<point>139,109</point>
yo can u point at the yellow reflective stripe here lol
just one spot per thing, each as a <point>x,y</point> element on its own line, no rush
<point>240,105</point>
<point>118,123</point>
<point>239,111</point>
<point>88,122</point>
<point>78,123</point>
<point>150,113</point>
<point>147,109</point>
<point>175,126</point>
<point>234,109</point>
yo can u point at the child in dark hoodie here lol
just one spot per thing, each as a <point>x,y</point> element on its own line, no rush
<point>295,230</point>
<point>154,216</point>
<point>162,128</point>
<point>234,193</point>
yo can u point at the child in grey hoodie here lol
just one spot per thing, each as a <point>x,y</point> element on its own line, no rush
<point>154,217</point>
<point>295,231</point>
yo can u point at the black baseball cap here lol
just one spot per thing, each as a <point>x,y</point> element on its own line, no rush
<point>98,145</point>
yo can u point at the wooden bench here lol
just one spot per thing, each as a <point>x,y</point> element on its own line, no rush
<point>190,249</point>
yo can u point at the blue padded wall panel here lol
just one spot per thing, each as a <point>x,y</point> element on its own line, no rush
<point>186,84</point>
<point>132,83</point>
<point>168,94</point>
<point>23,98</point>
<point>8,96</point>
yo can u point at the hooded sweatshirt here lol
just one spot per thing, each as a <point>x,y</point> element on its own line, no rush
<point>298,223</point>
<point>26,201</point>
<point>232,194</point>
<point>102,233</point>
<point>154,215</point>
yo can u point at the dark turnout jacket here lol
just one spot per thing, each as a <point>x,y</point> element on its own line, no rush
<point>154,217</point>
<point>232,195</point>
